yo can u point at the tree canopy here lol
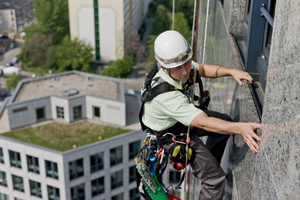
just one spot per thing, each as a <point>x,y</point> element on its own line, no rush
<point>73,54</point>
<point>119,68</point>
<point>12,81</point>
<point>53,18</point>
<point>162,20</point>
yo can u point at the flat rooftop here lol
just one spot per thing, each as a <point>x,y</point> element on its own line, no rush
<point>55,85</point>
<point>63,137</point>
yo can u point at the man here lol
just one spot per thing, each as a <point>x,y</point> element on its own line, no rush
<point>170,111</point>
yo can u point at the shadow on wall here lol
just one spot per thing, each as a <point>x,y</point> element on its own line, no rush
<point>235,155</point>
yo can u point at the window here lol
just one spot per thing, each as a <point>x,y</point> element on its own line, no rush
<point>116,179</point>
<point>96,162</point>
<point>60,112</point>
<point>96,21</point>
<point>33,164</point>
<point>255,43</point>
<point>15,159</point>
<point>132,174</point>
<point>3,180</point>
<point>116,156</point>
<point>76,169</point>
<point>77,192</point>
<point>19,109</point>
<point>4,196</point>
<point>18,183</point>
<point>117,197</point>
<point>51,169</point>
<point>53,193</point>
<point>134,194</point>
<point>134,148</point>
<point>97,186</point>
<point>35,188</point>
<point>174,176</point>
<point>77,112</point>
<point>1,156</point>
<point>96,111</point>
<point>40,114</point>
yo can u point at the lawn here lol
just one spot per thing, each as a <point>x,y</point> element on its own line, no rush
<point>62,137</point>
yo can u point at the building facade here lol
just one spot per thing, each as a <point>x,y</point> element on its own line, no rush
<point>262,38</point>
<point>106,25</point>
<point>23,14</point>
<point>100,170</point>
<point>65,97</point>
<point>8,20</point>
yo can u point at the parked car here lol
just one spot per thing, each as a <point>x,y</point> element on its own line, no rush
<point>7,71</point>
<point>3,96</point>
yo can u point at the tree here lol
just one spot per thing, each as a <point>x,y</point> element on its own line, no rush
<point>119,68</point>
<point>150,49</point>
<point>12,81</point>
<point>162,20</point>
<point>73,54</point>
<point>53,18</point>
<point>181,25</point>
<point>35,50</point>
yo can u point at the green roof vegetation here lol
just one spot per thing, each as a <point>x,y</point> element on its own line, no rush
<point>63,137</point>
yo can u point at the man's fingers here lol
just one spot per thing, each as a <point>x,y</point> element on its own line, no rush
<point>252,141</point>
<point>253,149</point>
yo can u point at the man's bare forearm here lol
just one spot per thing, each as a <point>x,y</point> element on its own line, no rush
<point>215,125</point>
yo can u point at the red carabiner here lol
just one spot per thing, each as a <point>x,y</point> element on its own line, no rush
<point>185,143</point>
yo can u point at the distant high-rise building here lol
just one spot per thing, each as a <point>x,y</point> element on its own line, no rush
<point>23,14</point>
<point>107,25</point>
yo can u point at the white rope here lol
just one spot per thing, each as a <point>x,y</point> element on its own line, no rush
<point>205,34</point>
<point>192,101</point>
<point>173,12</point>
<point>193,29</point>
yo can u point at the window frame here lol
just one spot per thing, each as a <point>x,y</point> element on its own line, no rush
<point>98,165</point>
<point>19,186</point>
<point>114,157</point>
<point>116,179</point>
<point>134,194</point>
<point>52,173</point>
<point>94,112</point>
<point>76,190</point>
<point>132,174</point>
<point>15,159</point>
<point>77,112</point>
<point>3,179</point>
<point>99,186</point>
<point>133,148</point>
<point>35,164</point>
<point>1,156</point>
<point>251,45</point>
<point>55,193</point>
<point>33,185</point>
<point>78,169</point>
<point>60,113</point>
<point>38,111</point>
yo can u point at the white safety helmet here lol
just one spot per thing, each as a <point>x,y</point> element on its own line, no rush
<point>171,49</point>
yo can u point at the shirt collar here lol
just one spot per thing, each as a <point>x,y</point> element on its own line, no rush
<point>169,79</point>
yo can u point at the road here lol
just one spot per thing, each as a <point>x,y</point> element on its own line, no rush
<point>7,58</point>
<point>9,55</point>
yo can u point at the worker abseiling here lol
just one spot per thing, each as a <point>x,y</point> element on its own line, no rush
<point>167,111</point>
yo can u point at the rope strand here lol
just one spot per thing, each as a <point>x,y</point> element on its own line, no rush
<point>173,12</point>
<point>205,34</point>
<point>192,101</point>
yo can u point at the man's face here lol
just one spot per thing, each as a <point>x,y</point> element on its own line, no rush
<point>182,72</point>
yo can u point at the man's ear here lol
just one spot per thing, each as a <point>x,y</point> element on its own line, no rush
<point>164,69</point>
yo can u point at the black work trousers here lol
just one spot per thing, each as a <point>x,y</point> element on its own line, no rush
<point>206,165</point>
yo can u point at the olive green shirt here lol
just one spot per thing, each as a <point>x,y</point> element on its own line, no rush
<point>168,108</point>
